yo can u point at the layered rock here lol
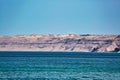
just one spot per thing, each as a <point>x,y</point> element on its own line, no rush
<point>65,42</point>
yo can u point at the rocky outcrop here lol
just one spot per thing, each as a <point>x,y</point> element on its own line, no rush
<point>65,42</point>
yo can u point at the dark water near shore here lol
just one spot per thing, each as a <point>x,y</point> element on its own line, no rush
<point>59,66</point>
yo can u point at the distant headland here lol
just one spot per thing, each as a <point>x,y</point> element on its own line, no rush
<point>61,42</point>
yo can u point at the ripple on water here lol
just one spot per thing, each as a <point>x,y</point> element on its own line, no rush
<point>59,76</point>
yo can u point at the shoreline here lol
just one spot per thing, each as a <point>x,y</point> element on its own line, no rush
<point>62,52</point>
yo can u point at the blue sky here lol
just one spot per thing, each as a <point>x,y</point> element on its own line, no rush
<point>59,17</point>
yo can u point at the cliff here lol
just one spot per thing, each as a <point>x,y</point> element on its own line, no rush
<point>65,42</point>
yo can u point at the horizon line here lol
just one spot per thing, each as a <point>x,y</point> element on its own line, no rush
<point>56,34</point>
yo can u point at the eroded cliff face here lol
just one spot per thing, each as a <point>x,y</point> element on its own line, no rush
<point>66,42</point>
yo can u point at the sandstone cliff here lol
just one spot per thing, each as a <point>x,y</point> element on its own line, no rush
<point>66,42</point>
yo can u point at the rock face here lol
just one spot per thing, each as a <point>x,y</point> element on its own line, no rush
<point>66,42</point>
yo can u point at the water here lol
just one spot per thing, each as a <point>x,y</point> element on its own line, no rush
<point>59,66</point>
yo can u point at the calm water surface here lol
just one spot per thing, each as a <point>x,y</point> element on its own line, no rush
<point>59,66</point>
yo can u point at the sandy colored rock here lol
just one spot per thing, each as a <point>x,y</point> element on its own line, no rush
<point>61,42</point>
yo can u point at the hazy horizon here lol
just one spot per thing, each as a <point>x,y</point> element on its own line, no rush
<point>19,17</point>
<point>57,34</point>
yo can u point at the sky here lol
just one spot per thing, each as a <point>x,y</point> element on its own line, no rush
<point>59,17</point>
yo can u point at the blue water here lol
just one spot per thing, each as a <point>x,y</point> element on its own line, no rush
<point>59,66</point>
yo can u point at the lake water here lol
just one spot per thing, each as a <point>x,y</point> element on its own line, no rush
<point>59,66</point>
